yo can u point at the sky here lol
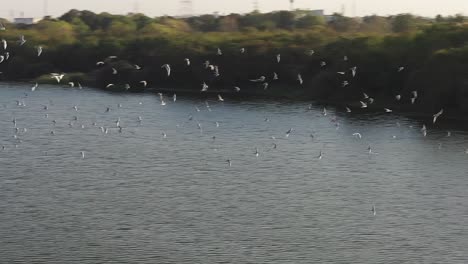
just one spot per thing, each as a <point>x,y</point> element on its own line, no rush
<point>34,8</point>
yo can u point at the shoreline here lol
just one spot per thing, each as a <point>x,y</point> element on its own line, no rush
<point>339,105</point>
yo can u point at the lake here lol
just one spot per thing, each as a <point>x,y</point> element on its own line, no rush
<point>75,188</point>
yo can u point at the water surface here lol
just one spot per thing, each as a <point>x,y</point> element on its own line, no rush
<point>138,197</point>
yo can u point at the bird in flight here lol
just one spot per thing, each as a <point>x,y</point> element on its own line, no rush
<point>168,69</point>
<point>437,115</point>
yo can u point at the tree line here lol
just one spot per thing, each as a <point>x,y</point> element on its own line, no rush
<point>433,52</point>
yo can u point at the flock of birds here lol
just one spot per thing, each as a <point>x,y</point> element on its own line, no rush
<point>262,80</point>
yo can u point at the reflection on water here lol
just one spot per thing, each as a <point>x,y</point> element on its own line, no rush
<point>138,197</point>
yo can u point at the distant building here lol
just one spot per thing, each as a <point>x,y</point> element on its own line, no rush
<point>306,12</point>
<point>26,20</point>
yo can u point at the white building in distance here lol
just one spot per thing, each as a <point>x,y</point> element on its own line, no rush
<point>26,20</point>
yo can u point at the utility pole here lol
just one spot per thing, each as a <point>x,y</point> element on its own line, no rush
<point>46,8</point>
<point>186,7</point>
<point>256,6</point>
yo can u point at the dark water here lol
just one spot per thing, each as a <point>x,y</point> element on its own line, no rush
<point>138,197</point>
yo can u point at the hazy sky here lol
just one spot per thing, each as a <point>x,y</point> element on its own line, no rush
<point>34,8</point>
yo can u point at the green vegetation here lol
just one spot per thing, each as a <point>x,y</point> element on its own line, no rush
<point>433,52</point>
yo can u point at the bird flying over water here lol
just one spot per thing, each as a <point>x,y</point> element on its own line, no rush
<point>57,77</point>
<point>261,79</point>
<point>22,40</point>
<point>437,115</point>
<point>39,51</point>
<point>204,87</point>
<point>168,69</point>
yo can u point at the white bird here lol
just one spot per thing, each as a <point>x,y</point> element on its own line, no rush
<point>5,44</point>
<point>388,110</point>
<point>99,63</point>
<point>242,50</point>
<point>299,78</point>
<point>109,85</point>
<point>2,58</point>
<point>323,64</point>
<point>374,211</point>
<point>261,79</point>
<point>79,86</point>
<point>278,58</point>
<point>401,68</point>
<point>114,71</point>
<point>424,130</point>
<point>219,52</point>
<point>112,57</point>
<point>174,97</point>
<point>398,97</point>
<point>310,52</point>
<point>275,76</point>
<point>415,94</point>
<point>237,89</point>
<point>164,135</point>
<point>22,40</point>
<point>288,132</point>
<point>265,86</point>
<point>345,58</point>
<point>449,133</point>
<point>341,73</point>
<point>57,77</point>
<point>344,83</point>
<point>363,105</point>
<point>34,87</point>
<point>320,156</point>
<point>353,71</point>
<point>436,116</point>
<point>127,87</point>
<point>229,162</point>
<point>39,51</point>
<point>168,69</point>
<point>82,154</point>
<point>2,27</point>
<point>144,83</point>
<point>7,55</point>
<point>358,135</point>
<point>204,87</point>
<point>348,110</point>
<point>187,61</point>
<point>365,96</point>
<point>72,84</point>
<point>220,98</point>
<point>371,100</point>
<point>217,124</point>
<point>413,100</point>
<point>137,67</point>
<point>256,152</point>
<point>324,112</point>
